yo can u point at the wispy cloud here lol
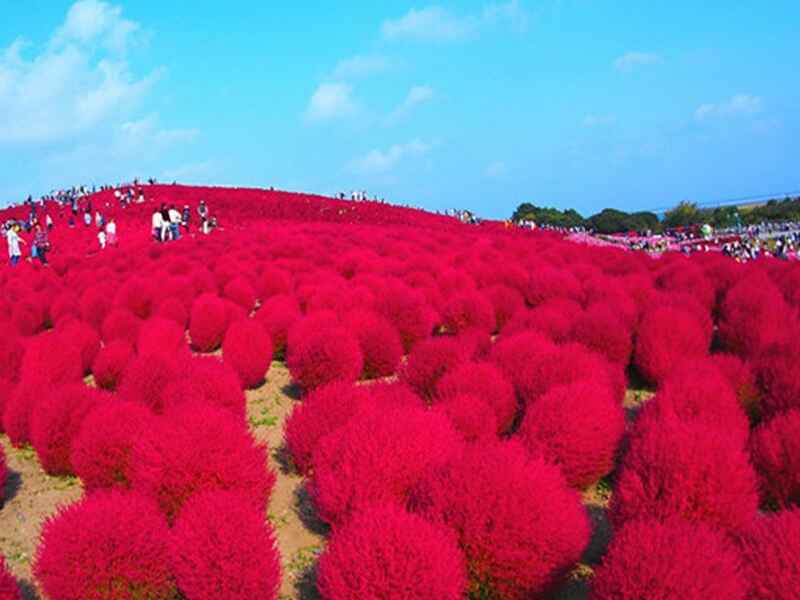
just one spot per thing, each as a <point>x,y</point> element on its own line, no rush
<point>331,101</point>
<point>362,66</point>
<point>418,94</point>
<point>437,24</point>
<point>92,20</point>
<point>496,169</point>
<point>382,161</point>
<point>633,60</point>
<point>599,120</point>
<point>740,104</point>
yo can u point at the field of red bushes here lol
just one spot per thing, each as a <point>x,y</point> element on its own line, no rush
<point>463,412</point>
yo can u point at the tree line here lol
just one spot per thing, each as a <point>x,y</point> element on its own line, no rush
<point>685,214</point>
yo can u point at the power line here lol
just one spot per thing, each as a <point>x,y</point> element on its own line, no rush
<point>734,201</point>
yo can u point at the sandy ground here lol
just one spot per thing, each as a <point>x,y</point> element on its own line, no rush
<point>32,496</point>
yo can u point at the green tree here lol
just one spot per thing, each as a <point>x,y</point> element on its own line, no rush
<point>683,215</point>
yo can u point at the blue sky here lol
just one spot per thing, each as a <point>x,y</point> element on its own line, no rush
<point>479,104</point>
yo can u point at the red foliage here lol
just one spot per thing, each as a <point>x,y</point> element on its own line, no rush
<point>547,282</point>
<point>95,302</point>
<point>51,359</point>
<point>430,360</point>
<point>146,378</point>
<point>516,356</point>
<point>407,310</point>
<point>600,329</point>
<point>17,412</point>
<point>505,302</point>
<point>387,553</point>
<point>9,590</point>
<point>277,315</point>
<point>273,282</point>
<point>199,448</point>
<point>56,419</point>
<point>778,375</point>
<point>515,547</point>
<point>241,293</point>
<point>741,377</point>
<point>377,458</point>
<point>207,323</point>
<point>220,547</point>
<point>247,348</point>
<point>12,349</point>
<point>379,342</point>
<point>468,310</point>
<point>667,336</point>
<point>676,559</point>
<point>577,427</point>
<point>110,364</point>
<point>85,338</point>
<point>486,382</point>
<point>689,470</point>
<point>206,379</point>
<point>323,356</point>
<point>121,324</point>
<point>473,417</point>
<point>769,550</point>
<point>101,451</point>
<point>173,310</point>
<point>107,545</point>
<point>137,294</point>
<point>775,451</point>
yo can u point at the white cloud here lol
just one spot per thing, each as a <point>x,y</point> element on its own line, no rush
<point>740,104</point>
<point>331,101</point>
<point>496,169</point>
<point>362,66</point>
<point>72,86</point>
<point>382,161</point>
<point>418,94</point>
<point>437,24</point>
<point>633,60</point>
<point>599,120</point>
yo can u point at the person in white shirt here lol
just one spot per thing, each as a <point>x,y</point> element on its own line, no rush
<point>111,233</point>
<point>174,222</point>
<point>101,236</point>
<point>14,240</point>
<point>158,226</point>
<point>48,221</point>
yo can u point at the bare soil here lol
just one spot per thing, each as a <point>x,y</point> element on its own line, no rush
<point>32,496</point>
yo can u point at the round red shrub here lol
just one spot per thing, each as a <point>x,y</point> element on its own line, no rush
<point>85,337</point>
<point>56,419</point>
<point>505,302</point>
<point>273,282</point>
<point>778,375</point>
<point>379,342</point>
<point>578,427</point>
<point>137,294</point>
<point>688,470</point>
<point>325,355</point>
<point>666,337</point>
<point>515,355</point>
<point>241,293</point>
<point>769,550</point>
<point>407,310</point>
<point>121,324</point>
<point>472,417</point>
<point>107,545</point>
<point>209,380</point>
<point>386,552</point>
<point>9,590</point>
<point>207,323</point>
<point>161,336</point>
<point>199,448</point>
<point>775,451</point>
<point>95,302</point>
<point>741,377</point>
<point>519,525</point>
<point>101,451</point>
<point>468,310</point>
<point>12,349</point>
<point>488,383</point>
<point>17,412</point>
<point>322,411</point>
<point>146,378</point>
<point>600,329</point>
<point>277,315</point>
<point>247,348</point>
<point>51,359</point>
<point>430,360</point>
<point>649,559</point>
<point>110,364</point>
<point>173,310</point>
<point>220,547</point>
<point>546,283</point>
<point>28,318</point>
<point>377,458</point>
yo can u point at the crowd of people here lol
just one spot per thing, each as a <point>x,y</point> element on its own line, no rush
<point>167,222</point>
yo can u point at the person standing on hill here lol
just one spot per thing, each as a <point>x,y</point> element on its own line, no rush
<point>14,240</point>
<point>111,233</point>
<point>186,216</point>
<point>202,210</point>
<point>157,226</point>
<point>174,222</point>
<point>41,243</point>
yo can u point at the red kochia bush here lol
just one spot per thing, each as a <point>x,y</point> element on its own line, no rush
<point>778,374</point>
<point>515,356</point>
<point>161,336</point>
<point>277,315</point>
<point>9,590</point>
<point>220,547</point>
<point>195,449</point>
<point>689,470</point>
<point>85,337</point>
<point>379,341</point>
<point>107,545</point>
<point>546,283</point>
<point>325,355</point>
<point>775,451</point>
<point>468,310</point>
<point>407,310</point>
<point>577,427</point>
<point>17,412</point>
<point>487,382</point>
<point>430,360</point>
<point>322,412</point>
<point>666,337</point>
<point>146,378</point>
<point>12,348</point>
<point>121,324</point>
<point>741,377</point>
<point>769,550</point>
<point>101,452</point>
<point>207,323</point>
<point>473,417</point>
<point>247,348</point>
<point>377,458</point>
<point>273,282</point>
<point>110,364</point>
<point>515,547</point>
<point>505,302</point>
<point>174,310</point>
<point>601,329</point>
<point>241,293</point>
<point>55,421</point>
<point>51,359</point>
<point>665,561</point>
<point>387,553</point>
<point>205,379</point>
